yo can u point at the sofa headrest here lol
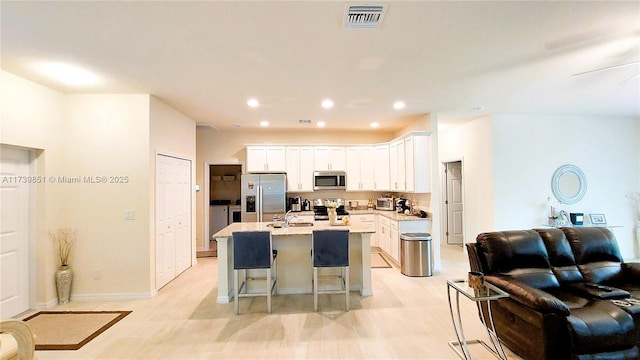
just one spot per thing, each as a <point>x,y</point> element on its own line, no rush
<point>592,244</point>
<point>596,252</point>
<point>561,257</point>
<point>519,250</point>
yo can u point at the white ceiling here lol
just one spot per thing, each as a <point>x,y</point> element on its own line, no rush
<point>207,58</point>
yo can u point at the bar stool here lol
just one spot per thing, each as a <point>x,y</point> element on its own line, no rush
<point>330,248</point>
<point>253,250</point>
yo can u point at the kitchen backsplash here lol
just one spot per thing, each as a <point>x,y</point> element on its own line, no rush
<point>421,201</point>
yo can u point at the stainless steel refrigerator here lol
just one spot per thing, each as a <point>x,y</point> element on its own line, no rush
<point>263,196</point>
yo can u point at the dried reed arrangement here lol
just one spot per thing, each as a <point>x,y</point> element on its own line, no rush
<point>64,239</point>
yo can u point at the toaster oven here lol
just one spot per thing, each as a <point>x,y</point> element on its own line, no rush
<point>385,204</point>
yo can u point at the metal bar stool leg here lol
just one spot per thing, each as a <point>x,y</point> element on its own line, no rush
<point>346,286</point>
<point>315,289</point>
<point>269,289</point>
<point>236,292</point>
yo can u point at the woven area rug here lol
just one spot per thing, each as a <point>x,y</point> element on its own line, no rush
<point>378,261</point>
<point>70,330</point>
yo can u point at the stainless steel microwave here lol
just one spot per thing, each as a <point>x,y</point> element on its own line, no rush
<point>385,204</point>
<point>329,180</point>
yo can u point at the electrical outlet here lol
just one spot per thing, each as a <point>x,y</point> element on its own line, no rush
<point>286,269</point>
<point>97,274</point>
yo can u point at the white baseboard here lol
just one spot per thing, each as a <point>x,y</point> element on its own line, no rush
<point>113,297</point>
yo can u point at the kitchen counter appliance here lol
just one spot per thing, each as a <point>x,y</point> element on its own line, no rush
<point>263,196</point>
<point>329,180</point>
<point>402,205</point>
<point>387,203</point>
<point>320,209</point>
<point>295,204</point>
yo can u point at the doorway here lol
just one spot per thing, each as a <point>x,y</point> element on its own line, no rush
<point>14,231</point>
<point>224,202</point>
<point>453,203</point>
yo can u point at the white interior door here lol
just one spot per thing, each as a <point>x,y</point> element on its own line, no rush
<point>14,234</point>
<point>173,218</point>
<point>454,203</point>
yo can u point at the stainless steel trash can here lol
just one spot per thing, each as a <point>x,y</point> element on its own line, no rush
<point>415,254</point>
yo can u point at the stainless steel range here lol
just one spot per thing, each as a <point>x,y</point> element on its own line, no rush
<point>320,209</point>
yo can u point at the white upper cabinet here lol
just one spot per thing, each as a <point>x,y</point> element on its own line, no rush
<point>300,168</point>
<point>397,165</point>
<point>266,159</point>
<point>418,162</point>
<point>329,158</point>
<point>381,167</point>
<point>360,175</point>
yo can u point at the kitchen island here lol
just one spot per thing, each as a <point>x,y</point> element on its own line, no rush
<point>294,257</point>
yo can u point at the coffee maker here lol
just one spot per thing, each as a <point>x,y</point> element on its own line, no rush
<point>295,203</point>
<point>402,205</point>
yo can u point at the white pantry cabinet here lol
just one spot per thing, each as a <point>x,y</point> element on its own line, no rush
<point>299,168</point>
<point>266,159</point>
<point>360,175</point>
<point>329,158</point>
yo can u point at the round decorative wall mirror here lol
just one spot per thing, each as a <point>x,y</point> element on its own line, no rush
<point>569,184</point>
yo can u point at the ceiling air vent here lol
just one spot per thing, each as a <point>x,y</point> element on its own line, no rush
<point>364,16</point>
<point>304,121</point>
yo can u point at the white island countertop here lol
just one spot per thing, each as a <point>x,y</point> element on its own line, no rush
<point>353,227</point>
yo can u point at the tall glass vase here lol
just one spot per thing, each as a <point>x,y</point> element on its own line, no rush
<point>64,276</point>
<point>333,216</point>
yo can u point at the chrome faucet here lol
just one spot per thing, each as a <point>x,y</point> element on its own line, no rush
<point>288,218</point>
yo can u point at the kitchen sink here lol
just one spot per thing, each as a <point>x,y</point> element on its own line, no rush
<point>300,224</point>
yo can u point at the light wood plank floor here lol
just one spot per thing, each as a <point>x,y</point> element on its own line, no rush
<point>407,318</point>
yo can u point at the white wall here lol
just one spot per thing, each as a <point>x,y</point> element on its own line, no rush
<point>93,135</point>
<point>171,133</point>
<point>107,135</point>
<point>525,158</point>
<point>509,160</point>
<point>471,142</point>
<point>38,128</point>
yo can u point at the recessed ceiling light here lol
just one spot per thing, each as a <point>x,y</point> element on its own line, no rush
<point>398,105</point>
<point>68,74</point>
<point>320,124</point>
<point>478,108</point>
<point>264,123</point>
<point>327,103</point>
<point>374,125</point>
<point>253,102</point>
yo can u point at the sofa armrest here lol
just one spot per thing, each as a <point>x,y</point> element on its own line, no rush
<point>631,272</point>
<point>531,297</point>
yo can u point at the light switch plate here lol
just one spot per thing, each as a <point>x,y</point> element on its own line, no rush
<point>129,214</point>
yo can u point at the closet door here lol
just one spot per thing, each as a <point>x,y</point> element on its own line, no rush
<point>173,218</point>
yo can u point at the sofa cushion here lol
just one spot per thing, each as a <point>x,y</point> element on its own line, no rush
<point>519,254</point>
<point>596,253</point>
<point>599,327</point>
<point>561,258</point>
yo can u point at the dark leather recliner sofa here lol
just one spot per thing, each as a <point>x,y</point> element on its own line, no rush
<point>571,294</point>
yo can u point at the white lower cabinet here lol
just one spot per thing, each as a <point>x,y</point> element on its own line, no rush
<point>383,234</point>
<point>369,221</point>
<point>394,243</point>
<point>389,233</point>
